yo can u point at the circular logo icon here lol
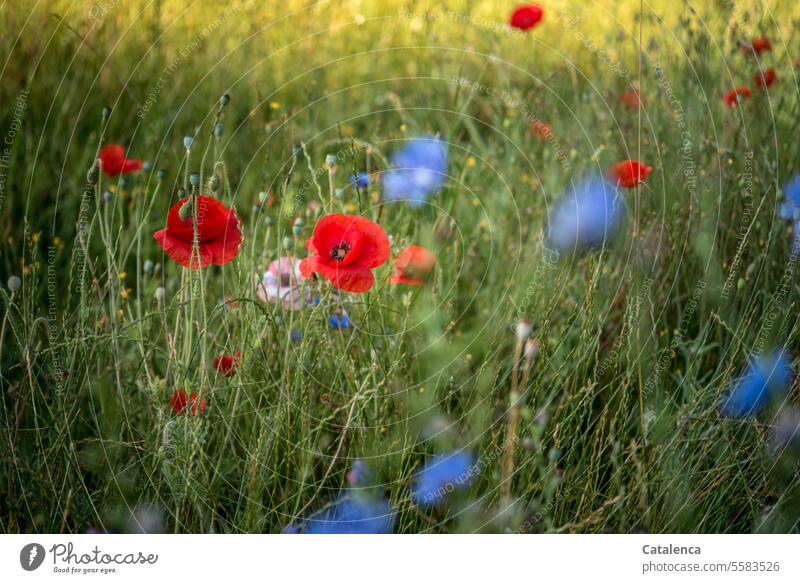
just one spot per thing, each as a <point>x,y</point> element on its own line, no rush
<point>31,556</point>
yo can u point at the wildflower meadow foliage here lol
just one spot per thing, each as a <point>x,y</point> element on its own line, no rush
<point>267,268</point>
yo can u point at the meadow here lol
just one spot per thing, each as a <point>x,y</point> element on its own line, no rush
<point>528,380</point>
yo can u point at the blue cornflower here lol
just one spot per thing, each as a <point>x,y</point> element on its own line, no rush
<point>440,476</point>
<point>586,216</point>
<point>339,321</point>
<point>765,377</point>
<point>360,474</point>
<point>789,209</point>
<point>296,335</point>
<point>360,180</point>
<point>420,169</point>
<point>353,514</point>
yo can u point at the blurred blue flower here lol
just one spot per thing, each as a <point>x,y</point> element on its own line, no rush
<point>420,169</point>
<point>339,321</point>
<point>440,476</point>
<point>360,180</point>
<point>765,377</point>
<point>296,335</point>
<point>353,514</point>
<point>359,474</point>
<point>586,216</point>
<point>789,208</point>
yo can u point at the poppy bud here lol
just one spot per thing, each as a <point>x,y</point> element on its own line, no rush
<point>188,142</point>
<point>297,149</point>
<point>159,295</point>
<point>297,230</point>
<point>262,197</point>
<point>106,113</point>
<point>106,196</point>
<point>14,283</point>
<point>148,266</point>
<point>218,130</point>
<point>270,221</point>
<point>123,183</point>
<point>531,348</point>
<point>194,179</point>
<point>288,243</point>
<point>147,166</point>
<point>330,160</point>
<point>186,210</point>
<point>224,100</point>
<point>160,175</point>
<point>94,173</point>
<point>523,329</point>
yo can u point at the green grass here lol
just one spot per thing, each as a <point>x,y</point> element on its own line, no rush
<point>618,428</point>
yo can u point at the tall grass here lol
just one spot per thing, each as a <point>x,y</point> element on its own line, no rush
<point>617,427</point>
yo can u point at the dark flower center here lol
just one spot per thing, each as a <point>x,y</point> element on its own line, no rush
<point>339,252</point>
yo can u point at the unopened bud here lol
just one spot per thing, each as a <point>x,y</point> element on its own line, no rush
<point>186,210</point>
<point>532,348</point>
<point>524,329</point>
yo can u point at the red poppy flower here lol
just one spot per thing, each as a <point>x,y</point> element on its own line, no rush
<point>758,46</point>
<point>526,17</point>
<point>344,249</point>
<point>113,161</point>
<point>413,264</point>
<point>630,99</point>
<point>541,129</point>
<point>226,363</point>
<point>765,78</point>
<point>182,405</point>
<point>733,96</point>
<point>218,233</point>
<point>628,173</point>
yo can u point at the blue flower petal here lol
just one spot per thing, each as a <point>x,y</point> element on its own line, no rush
<point>765,377</point>
<point>440,476</point>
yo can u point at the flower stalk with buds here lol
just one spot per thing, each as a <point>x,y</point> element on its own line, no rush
<point>530,348</point>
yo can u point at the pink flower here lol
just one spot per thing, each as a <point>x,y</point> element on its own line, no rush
<point>283,282</point>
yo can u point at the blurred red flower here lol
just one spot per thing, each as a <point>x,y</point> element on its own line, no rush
<point>758,46</point>
<point>344,249</point>
<point>113,161</point>
<point>218,233</point>
<point>412,266</point>
<point>765,78</point>
<point>182,405</point>
<point>541,130</point>
<point>732,97</point>
<point>526,17</point>
<point>630,99</point>
<point>226,363</point>
<point>628,173</point>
